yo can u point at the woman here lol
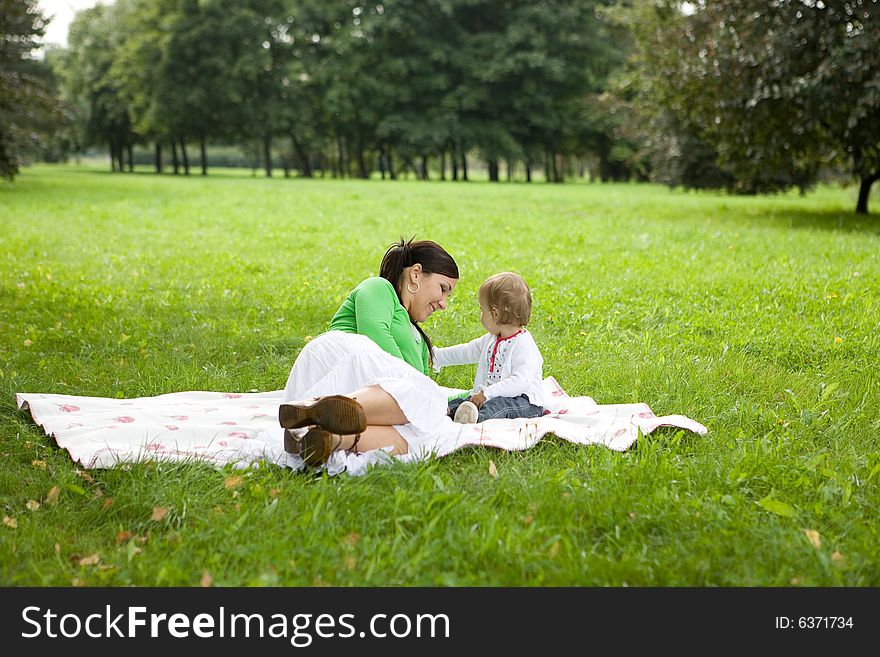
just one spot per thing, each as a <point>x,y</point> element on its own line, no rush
<point>363,384</point>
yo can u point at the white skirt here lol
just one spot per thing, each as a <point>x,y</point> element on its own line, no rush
<point>338,363</point>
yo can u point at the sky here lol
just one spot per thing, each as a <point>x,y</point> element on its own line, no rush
<point>63,11</point>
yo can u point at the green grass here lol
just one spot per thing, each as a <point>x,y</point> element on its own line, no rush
<point>756,316</point>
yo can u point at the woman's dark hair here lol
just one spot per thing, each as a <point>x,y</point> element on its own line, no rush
<point>431,256</point>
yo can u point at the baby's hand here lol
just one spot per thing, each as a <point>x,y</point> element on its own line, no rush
<point>479,399</point>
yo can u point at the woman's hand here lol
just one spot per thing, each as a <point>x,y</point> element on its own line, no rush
<point>478,400</point>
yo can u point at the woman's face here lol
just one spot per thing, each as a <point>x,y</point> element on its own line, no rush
<point>432,293</point>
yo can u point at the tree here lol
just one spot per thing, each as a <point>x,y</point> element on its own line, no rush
<point>778,88</point>
<point>94,45</point>
<point>25,101</point>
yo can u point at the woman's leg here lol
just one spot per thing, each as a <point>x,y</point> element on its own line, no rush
<point>375,437</point>
<point>380,408</point>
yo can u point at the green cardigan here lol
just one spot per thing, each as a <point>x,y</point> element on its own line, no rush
<point>373,309</point>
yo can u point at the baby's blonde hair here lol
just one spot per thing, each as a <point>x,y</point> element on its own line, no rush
<point>508,294</point>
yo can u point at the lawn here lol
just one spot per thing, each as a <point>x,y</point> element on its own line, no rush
<point>759,317</point>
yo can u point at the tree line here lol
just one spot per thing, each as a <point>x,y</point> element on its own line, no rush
<point>344,86</point>
<point>742,95</point>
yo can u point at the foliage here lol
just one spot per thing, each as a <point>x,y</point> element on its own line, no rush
<point>350,84</point>
<point>87,76</point>
<point>776,89</point>
<point>26,104</point>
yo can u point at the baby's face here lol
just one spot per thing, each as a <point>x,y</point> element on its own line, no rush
<point>487,318</point>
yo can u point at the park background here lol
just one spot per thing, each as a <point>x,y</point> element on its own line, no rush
<point>195,186</point>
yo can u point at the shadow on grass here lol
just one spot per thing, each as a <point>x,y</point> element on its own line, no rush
<point>844,221</point>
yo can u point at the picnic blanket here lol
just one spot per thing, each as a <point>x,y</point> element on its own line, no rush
<point>241,429</point>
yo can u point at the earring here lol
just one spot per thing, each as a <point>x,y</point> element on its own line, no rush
<point>418,287</point>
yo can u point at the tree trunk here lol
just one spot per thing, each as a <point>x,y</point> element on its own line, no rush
<point>362,163</point>
<point>130,153</point>
<point>555,168</point>
<point>341,156</point>
<point>306,169</point>
<point>424,167</point>
<point>453,160</point>
<point>120,156</point>
<point>185,157</point>
<point>390,160</point>
<point>528,171</point>
<point>464,175</point>
<point>112,148</point>
<point>509,171</point>
<point>174,161</point>
<point>865,193</point>
<point>493,170</point>
<point>158,157</point>
<point>442,165</point>
<point>603,150</point>
<point>267,155</point>
<point>203,153</point>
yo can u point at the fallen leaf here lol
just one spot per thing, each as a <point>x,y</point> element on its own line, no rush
<point>350,563</point>
<point>52,496</point>
<point>233,482</point>
<point>159,512</point>
<point>76,581</point>
<point>10,522</point>
<point>90,560</point>
<point>85,475</point>
<point>32,505</point>
<point>28,343</point>
<point>795,581</point>
<point>352,539</point>
<point>39,464</point>
<point>838,558</point>
<point>123,536</point>
<point>814,538</point>
<point>776,506</point>
<point>58,548</point>
<point>274,492</point>
<point>493,471</point>
<point>108,502</point>
<point>528,520</point>
<point>206,579</point>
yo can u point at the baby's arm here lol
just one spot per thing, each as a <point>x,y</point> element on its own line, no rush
<point>460,354</point>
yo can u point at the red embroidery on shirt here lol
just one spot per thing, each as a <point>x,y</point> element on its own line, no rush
<point>498,341</point>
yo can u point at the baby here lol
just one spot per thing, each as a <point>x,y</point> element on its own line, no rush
<point>509,377</point>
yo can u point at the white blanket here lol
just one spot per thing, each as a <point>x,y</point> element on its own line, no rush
<point>241,429</point>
